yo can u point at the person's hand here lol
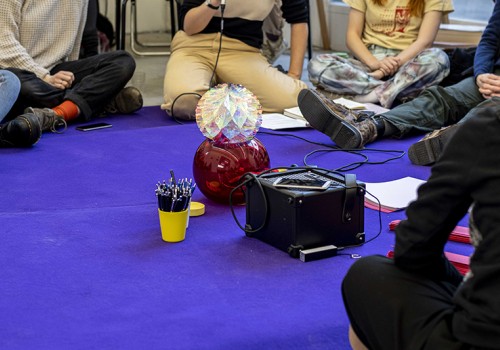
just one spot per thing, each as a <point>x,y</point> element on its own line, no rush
<point>377,74</point>
<point>294,75</point>
<point>389,65</point>
<point>215,3</point>
<point>62,80</point>
<point>488,84</point>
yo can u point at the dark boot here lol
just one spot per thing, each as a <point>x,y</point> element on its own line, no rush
<point>128,101</point>
<point>427,150</point>
<point>22,131</point>
<point>339,123</point>
<point>48,119</point>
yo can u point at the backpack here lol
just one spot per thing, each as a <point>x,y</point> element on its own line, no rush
<point>104,26</point>
<point>461,64</point>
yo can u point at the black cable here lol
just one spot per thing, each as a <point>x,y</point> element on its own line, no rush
<point>173,102</point>
<point>211,81</point>
<point>252,177</point>
<point>379,209</point>
<point>298,137</point>
<point>356,165</point>
<point>240,185</point>
<point>334,148</point>
<point>222,8</point>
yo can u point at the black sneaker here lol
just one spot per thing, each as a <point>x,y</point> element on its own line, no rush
<point>127,101</point>
<point>48,119</point>
<point>22,131</point>
<point>427,150</point>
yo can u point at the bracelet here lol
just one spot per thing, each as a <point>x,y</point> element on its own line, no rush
<point>209,4</point>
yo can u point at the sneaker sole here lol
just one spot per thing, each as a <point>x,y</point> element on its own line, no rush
<point>323,119</point>
<point>427,152</point>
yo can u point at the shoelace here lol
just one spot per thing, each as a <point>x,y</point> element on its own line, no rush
<point>58,124</point>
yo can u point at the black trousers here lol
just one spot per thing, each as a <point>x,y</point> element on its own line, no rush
<point>98,79</point>
<point>390,308</point>
<point>419,303</point>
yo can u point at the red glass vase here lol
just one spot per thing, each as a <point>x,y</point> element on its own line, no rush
<point>218,167</point>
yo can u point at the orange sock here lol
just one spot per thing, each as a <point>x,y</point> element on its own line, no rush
<point>68,110</point>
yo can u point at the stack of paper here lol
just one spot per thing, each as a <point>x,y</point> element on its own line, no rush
<point>392,195</point>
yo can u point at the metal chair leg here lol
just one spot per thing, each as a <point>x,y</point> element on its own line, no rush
<point>134,41</point>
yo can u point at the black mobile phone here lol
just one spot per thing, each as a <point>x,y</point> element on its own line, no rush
<point>95,126</point>
<point>306,184</point>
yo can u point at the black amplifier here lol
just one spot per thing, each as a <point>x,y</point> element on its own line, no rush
<point>284,211</point>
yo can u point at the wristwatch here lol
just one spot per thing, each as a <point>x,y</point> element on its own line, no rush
<point>209,4</point>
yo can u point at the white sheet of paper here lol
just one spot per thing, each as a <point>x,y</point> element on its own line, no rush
<point>349,103</point>
<point>395,194</point>
<point>278,121</point>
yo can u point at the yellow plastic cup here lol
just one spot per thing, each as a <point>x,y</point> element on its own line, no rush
<point>173,225</point>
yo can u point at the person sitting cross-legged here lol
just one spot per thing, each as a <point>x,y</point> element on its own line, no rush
<point>419,300</point>
<point>57,86</point>
<point>438,110</point>
<point>391,58</point>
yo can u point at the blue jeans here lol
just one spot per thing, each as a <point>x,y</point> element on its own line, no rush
<point>9,90</point>
<point>98,79</point>
<point>435,108</point>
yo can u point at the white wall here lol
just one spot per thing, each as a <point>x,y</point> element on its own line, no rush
<point>152,15</point>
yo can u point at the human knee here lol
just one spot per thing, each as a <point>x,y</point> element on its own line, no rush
<point>435,55</point>
<point>124,63</point>
<point>126,59</point>
<point>10,80</point>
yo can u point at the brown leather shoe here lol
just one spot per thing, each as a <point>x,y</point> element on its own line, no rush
<point>336,121</point>
<point>49,120</point>
<point>129,100</point>
<point>427,150</point>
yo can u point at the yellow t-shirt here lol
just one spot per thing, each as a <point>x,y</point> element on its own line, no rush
<point>391,25</point>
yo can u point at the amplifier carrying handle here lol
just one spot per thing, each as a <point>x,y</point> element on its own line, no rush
<point>351,188</point>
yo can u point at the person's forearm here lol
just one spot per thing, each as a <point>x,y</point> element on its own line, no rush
<point>298,46</point>
<point>426,35</point>
<point>411,51</point>
<point>354,42</point>
<point>198,18</point>
<point>360,51</point>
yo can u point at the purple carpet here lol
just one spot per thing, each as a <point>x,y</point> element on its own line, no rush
<point>83,265</point>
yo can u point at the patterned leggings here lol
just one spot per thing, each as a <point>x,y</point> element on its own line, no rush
<point>348,76</point>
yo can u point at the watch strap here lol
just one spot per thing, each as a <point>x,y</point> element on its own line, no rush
<point>209,4</point>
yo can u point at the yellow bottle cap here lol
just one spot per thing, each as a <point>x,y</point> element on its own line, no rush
<point>196,209</point>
